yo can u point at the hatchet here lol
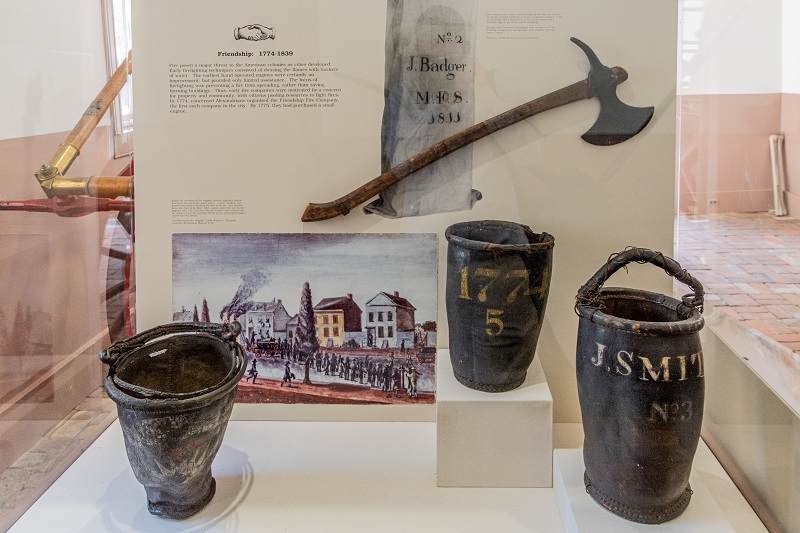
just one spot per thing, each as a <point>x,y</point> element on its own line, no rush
<point>616,123</point>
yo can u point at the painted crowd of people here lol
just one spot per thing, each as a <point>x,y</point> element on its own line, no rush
<point>374,371</point>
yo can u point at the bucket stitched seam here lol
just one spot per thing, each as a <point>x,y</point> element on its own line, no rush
<point>548,241</point>
<point>485,387</point>
<point>666,331</point>
<point>629,511</point>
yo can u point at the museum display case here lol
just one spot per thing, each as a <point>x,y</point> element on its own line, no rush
<point>353,408</point>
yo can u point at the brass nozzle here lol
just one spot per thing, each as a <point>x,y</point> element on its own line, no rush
<point>64,157</point>
<point>68,186</point>
<point>54,171</point>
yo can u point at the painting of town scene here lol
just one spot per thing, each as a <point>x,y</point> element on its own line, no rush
<point>326,318</point>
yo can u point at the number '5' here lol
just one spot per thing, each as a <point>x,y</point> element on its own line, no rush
<point>491,319</point>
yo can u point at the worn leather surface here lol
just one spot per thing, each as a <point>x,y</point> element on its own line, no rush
<point>174,396</point>
<point>641,393</point>
<point>498,279</point>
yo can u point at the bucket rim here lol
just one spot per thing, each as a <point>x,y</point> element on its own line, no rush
<point>180,401</point>
<point>547,243</point>
<point>692,324</point>
<point>154,393</point>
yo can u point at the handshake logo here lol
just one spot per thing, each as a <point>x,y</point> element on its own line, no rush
<point>254,32</point>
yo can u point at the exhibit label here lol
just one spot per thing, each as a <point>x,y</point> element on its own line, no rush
<point>251,85</point>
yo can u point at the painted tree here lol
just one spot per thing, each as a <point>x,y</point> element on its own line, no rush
<point>206,315</point>
<point>195,317</point>
<point>306,339</point>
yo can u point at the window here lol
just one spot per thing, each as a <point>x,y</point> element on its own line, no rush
<point>326,333</point>
<point>372,317</point>
<point>389,317</point>
<point>335,331</point>
<point>391,332</point>
<point>380,332</point>
<point>325,320</point>
<point>335,319</point>
<point>380,316</point>
<point>118,43</point>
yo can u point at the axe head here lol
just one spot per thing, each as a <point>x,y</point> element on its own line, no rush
<point>617,121</point>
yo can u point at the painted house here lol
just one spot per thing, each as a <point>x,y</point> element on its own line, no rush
<point>390,321</point>
<point>338,321</point>
<point>291,327</point>
<point>183,315</point>
<point>265,320</point>
<point>423,337</point>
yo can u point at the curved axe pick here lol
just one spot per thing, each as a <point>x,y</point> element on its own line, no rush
<point>617,121</point>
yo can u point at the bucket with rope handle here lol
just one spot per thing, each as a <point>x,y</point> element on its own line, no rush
<point>640,378</point>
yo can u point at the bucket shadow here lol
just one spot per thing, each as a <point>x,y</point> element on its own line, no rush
<point>124,503</point>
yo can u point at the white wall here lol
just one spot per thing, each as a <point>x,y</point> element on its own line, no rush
<point>791,46</point>
<point>739,48</point>
<point>52,59</point>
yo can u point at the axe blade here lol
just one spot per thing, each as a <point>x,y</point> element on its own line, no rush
<point>617,121</point>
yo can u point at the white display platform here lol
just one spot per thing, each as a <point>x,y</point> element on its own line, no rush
<point>296,476</point>
<point>716,505</point>
<point>487,439</point>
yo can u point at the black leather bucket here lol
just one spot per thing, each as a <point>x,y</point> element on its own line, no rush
<point>640,383</point>
<point>498,279</point>
<point>175,387</point>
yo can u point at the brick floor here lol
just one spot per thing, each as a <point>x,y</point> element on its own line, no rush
<point>749,265</point>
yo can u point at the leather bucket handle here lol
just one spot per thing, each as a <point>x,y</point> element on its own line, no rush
<point>226,332</point>
<point>588,293</point>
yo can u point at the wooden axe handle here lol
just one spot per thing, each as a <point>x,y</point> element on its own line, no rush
<point>572,93</point>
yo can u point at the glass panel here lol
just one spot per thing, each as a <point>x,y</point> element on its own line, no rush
<point>735,185</point>
<point>55,256</point>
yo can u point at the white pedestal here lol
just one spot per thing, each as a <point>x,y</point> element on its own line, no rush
<point>297,477</point>
<point>486,439</point>
<point>716,505</point>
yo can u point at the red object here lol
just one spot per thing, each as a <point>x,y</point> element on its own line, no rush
<point>67,206</point>
<point>128,170</point>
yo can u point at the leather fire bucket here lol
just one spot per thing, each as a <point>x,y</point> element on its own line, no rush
<point>498,279</point>
<point>640,383</point>
<point>174,387</point>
